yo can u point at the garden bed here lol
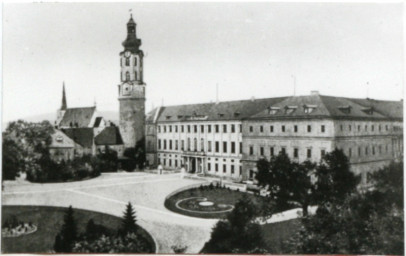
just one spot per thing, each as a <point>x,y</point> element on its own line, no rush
<point>212,202</point>
<point>49,221</point>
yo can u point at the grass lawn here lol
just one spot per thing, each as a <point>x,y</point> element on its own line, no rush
<point>49,221</point>
<point>277,233</point>
<point>215,195</point>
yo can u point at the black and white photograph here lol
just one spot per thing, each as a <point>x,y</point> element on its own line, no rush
<point>202,127</point>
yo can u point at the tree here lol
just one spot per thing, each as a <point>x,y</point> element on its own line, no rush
<point>301,186</point>
<point>334,178</point>
<point>129,221</point>
<point>64,241</point>
<point>12,162</point>
<point>361,223</point>
<point>238,232</point>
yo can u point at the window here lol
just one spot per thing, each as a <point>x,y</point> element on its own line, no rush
<point>170,144</point>
<point>224,128</point>
<point>159,144</point>
<point>195,128</point>
<point>349,152</point>
<point>359,128</point>
<point>240,170</point>
<point>159,129</point>
<point>209,167</point>
<point>322,153</point>
<point>366,127</point>
<point>283,128</point>
<point>341,127</point>
<point>240,147</point>
<point>372,128</point>
<point>202,144</point>
<point>232,169</point>
<point>224,147</point>
<point>271,128</point>
<point>188,144</point>
<point>295,152</point>
<point>127,61</point>
<point>251,150</point>
<point>224,168</point>
<point>176,144</point>
<point>135,61</point>
<point>309,153</point>
<point>209,146</point>
<point>373,150</point>
<point>232,147</point>
<point>386,127</point>
<point>271,150</point>
<point>164,128</point>
<point>188,128</point>
<point>170,128</point>
<point>217,128</point>
<point>240,128</point>
<point>183,145</point>
<point>366,151</point>
<point>261,150</point>
<point>261,128</point>
<point>127,76</point>
<point>295,128</point>
<point>176,128</point>
<point>201,128</point>
<point>379,127</point>
<point>323,128</point>
<point>380,149</point>
<point>209,128</point>
<point>183,128</point>
<point>283,150</point>
<point>349,127</point>
<point>359,151</point>
<point>176,163</point>
<point>170,162</point>
<point>233,128</point>
<point>309,128</point>
<point>195,144</point>
<point>217,146</point>
<point>216,167</point>
<point>251,129</point>
<point>164,144</point>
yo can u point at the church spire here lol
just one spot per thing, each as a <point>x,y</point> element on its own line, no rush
<point>64,105</point>
<point>132,43</point>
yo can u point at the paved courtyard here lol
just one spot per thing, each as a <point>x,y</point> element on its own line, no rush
<point>110,192</point>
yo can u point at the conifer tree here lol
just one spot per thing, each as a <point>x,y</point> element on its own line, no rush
<point>129,220</point>
<point>64,241</point>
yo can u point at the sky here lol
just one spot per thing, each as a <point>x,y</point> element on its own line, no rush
<point>246,49</point>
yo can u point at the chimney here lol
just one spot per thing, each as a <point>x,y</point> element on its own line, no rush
<point>314,93</point>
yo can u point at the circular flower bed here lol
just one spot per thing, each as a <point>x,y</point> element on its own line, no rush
<point>22,229</point>
<point>201,205</point>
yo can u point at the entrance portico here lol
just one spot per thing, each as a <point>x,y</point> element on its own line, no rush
<point>194,163</point>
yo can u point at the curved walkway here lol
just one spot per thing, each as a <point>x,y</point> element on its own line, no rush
<point>109,193</point>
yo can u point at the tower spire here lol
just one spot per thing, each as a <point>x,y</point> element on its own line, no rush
<point>64,104</point>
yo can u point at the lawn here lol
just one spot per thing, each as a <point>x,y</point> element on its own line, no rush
<point>49,221</point>
<point>277,233</point>
<point>222,197</point>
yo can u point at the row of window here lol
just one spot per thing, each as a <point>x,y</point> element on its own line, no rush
<point>359,127</point>
<point>199,128</point>
<point>174,145</point>
<point>283,128</point>
<point>127,62</point>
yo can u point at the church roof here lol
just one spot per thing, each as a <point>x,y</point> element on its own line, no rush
<point>61,140</point>
<point>109,136</point>
<point>82,136</point>
<point>77,117</point>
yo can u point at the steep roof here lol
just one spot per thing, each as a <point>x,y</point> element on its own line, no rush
<point>109,136</point>
<point>317,106</point>
<point>97,121</point>
<point>392,109</point>
<point>61,140</point>
<point>82,136</point>
<point>80,116</point>
<point>227,110</point>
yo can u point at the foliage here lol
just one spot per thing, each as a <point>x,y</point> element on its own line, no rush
<point>106,161</point>
<point>129,221</point>
<point>361,223</point>
<point>12,163</point>
<point>238,232</point>
<point>334,178</point>
<point>65,239</point>
<point>94,231</point>
<point>130,243</point>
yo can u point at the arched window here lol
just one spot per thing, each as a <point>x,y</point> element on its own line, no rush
<point>127,76</point>
<point>127,61</point>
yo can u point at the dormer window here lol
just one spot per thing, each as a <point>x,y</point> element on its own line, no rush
<point>309,108</point>
<point>290,109</point>
<point>345,109</point>
<point>180,117</point>
<point>369,111</point>
<point>168,117</point>
<point>220,114</point>
<point>59,139</point>
<point>273,110</point>
<point>236,114</point>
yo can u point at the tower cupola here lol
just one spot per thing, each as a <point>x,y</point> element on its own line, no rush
<point>132,43</point>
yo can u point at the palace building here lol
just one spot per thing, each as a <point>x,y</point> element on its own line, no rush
<point>225,139</point>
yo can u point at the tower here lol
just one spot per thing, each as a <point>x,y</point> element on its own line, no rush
<point>61,112</point>
<point>131,91</point>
